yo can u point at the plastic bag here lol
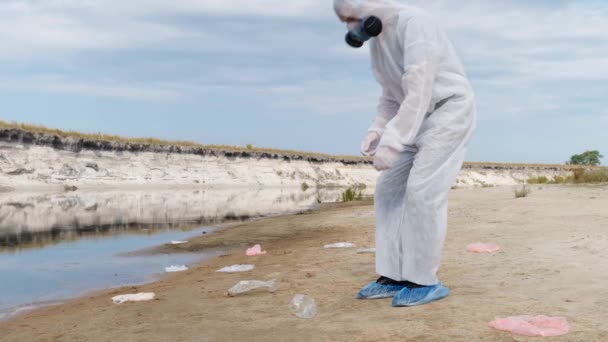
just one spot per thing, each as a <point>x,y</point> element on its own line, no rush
<point>303,306</point>
<point>255,250</point>
<point>138,297</point>
<point>340,245</point>
<point>173,269</point>
<point>251,285</point>
<point>534,326</point>
<point>483,248</point>
<point>236,269</point>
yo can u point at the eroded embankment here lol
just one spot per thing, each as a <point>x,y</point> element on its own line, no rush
<point>39,160</point>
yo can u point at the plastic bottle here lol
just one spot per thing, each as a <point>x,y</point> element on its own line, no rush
<point>303,306</point>
<point>250,285</point>
<point>366,251</point>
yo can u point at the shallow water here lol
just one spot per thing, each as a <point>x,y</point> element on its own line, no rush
<point>55,246</point>
<point>65,270</point>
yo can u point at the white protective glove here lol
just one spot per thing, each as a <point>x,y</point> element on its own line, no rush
<point>370,143</point>
<point>386,158</point>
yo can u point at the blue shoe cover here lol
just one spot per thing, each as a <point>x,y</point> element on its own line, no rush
<point>377,291</point>
<point>420,296</point>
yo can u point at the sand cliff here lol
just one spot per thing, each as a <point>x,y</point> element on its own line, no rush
<point>30,160</point>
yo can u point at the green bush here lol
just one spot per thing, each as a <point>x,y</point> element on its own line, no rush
<point>351,195</point>
<point>538,180</point>
<point>69,188</point>
<point>590,176</point>
<point>523,192</point>
<point>558,180</point>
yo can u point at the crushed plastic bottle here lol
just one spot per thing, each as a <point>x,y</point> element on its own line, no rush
<point>366,251</point>
<point>236,269</point>
<point>340,245</point>
<point>251,285</point>
<point>303,306</point>
<point>178,242</point>
<point>136,297</point>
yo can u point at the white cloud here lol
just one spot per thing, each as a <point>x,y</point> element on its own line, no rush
<point>145,7</point>
<point>108,89</point>
<point>510,49</point>
<point>326,97</point>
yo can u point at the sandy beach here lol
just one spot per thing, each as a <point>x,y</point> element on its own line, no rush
<point>553,261</point>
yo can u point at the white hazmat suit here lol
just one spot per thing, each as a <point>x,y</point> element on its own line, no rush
<point>425,119</point>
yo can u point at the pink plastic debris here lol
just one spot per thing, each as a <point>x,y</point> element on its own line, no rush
<point>255,250</point>
<point>534,326</point>
<point>483,248</point>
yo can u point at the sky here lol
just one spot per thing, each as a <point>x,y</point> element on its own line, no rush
<point>278,74</point>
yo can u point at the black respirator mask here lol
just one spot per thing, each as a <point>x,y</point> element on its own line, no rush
<point>365,30</point>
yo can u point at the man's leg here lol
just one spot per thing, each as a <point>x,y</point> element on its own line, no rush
<point>442,149</point>
<point>389,202</point>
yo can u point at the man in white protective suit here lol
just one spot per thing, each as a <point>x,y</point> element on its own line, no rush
<point>425,119</point>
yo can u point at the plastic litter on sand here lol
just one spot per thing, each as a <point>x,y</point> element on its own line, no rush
<point>340,245</point>
<point>366,251</point>
<point>251,285</point>
<point>178,242</point>
<point>173,269</point>
<point>137,297</point>
<point>483,248</point>
<point>303,306</point>
<point>255,250</point>
<point>534,326</point>
<point>236,269</point>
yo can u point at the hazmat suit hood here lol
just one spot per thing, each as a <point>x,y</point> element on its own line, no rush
<point>360,9</point>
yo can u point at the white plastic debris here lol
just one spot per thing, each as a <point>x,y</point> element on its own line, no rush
<point>251,285</point>
<point>237,268</point>
<point>368,214</point>
<point>137,297</point>
<point>173,269</point>
<point>366,251</point>
<point>340,245</point>
<point>303,306</point>
<point>178,242</point>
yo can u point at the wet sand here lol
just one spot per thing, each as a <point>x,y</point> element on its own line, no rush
<point>553,261</point>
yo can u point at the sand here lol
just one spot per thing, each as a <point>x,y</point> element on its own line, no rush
<point>553,261</point>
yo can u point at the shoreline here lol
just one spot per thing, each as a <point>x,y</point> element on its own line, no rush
<point>212,242</point>
<point>552,242</point>
<point>216,251</point>
<point>156,250</point>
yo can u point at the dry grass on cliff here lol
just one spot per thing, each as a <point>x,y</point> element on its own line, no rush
<point>155,141</point>
<point>527,166</point>
<point>248,148</point>
<point>597,175</point>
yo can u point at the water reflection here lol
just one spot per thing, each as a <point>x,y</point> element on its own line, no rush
<point>38,277</point>
<point>34,220</point>
<point>55,246</point>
